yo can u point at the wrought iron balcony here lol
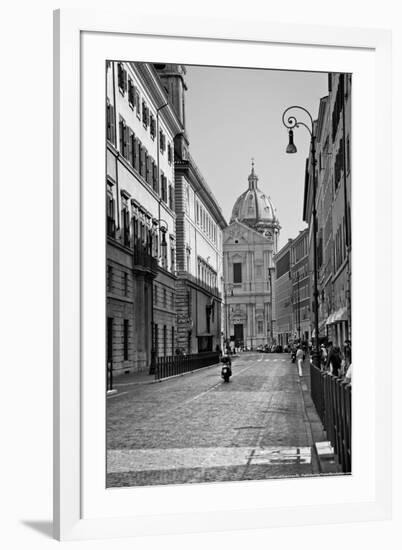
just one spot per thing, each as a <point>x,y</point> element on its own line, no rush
<point>142,257</point>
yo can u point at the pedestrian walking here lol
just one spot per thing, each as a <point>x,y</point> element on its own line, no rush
<point>300,359</point>
<point>347,357</point>
<point>335,361</point>
<point>323,356</point>
<point>330,350</point>
<point>348,377</point>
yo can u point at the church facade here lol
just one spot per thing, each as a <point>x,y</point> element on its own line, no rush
<point>249,244</point>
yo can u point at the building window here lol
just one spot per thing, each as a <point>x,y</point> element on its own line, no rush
<point>110,207</point>
<point>142,160</point>
<point>150,178</point>
<point>155,177</point>
<point>339,159</point>
<point>131,93</point>
<point>124,137</point>
<point>170,154</point>
<point>162,141</point>
<point>171,197</point>
<point>237,273</point>
<point>164,250</point>
<point>137,154</point>
<point>137,102</point>
<point>122,78</point>
<point>172,340</point>
<point>145,114</point>
<point>152,126</point>
<point>125,226</point>
<point>260,327</point>
<point>110,129</point>
<point>125,340</point>
<point>163,187</point>
<point>172,259</point>
<point>131,148</point>
<point>348,154</point>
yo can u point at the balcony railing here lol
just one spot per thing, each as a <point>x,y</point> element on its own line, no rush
<point>211,289</point>
<point>179,364</point>
<point>142,257</point>
<point>332,398</point>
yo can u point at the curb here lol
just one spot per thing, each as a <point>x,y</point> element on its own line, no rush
<point>153,381</point>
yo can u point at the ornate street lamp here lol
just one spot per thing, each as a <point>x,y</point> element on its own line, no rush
<point>291,122</point>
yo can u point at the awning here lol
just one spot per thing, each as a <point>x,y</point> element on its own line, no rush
<point>338,316</point>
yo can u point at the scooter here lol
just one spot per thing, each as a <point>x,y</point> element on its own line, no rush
<point>226,371</point>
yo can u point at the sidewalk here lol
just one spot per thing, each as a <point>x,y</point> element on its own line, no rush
<point>140,378</point>
<point>133,378</point>
<point>327,465</point>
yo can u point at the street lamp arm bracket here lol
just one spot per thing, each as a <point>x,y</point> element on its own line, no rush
<point>292,122</point>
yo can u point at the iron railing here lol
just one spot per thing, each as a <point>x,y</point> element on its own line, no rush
<point>179,364</point>
<point>211,289</point>
<point>142,257</point>
<point>332,398</point>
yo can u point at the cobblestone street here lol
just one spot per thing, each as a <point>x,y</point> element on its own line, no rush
<point>195,428</point>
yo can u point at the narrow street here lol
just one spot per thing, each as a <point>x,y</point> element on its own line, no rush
<point>195,428</point>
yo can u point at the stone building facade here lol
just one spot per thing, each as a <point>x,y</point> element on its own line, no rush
<point>140,217</point>
<point>300,278</point>
<point>283,290</point>
<point>199,226</point>
<point>250,242</point>
<point>333,200</point>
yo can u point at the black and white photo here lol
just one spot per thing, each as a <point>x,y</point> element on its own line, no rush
<point>228,274</point>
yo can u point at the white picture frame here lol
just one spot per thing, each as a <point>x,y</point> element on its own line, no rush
<point>83,508</point>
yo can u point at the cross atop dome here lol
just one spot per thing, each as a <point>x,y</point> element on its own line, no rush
<point>253,178</point>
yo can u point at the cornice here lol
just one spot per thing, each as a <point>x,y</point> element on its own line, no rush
<point>147,73</point>
<point>201,187</point>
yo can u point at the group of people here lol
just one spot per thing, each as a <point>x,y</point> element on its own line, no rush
<point>336,361</point>
<point>332,359</point>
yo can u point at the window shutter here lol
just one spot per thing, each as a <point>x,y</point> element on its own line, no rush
<point>121,136</point>
<point>142,167</point>
<point>126,130</point>
<point>130,146</point>
<point>154,177</point>
<point>127,221</point>
<point>108,133</point>
<point>112,126</point>
<point>146,165</point>
<point>149,173</point>
<point>138,153</point>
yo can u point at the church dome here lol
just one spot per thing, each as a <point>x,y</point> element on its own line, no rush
<point>254,207</point>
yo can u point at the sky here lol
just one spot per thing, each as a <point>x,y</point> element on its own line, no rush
<point>233,115</point>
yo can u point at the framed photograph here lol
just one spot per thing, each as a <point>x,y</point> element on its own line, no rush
<point>222,191</point>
